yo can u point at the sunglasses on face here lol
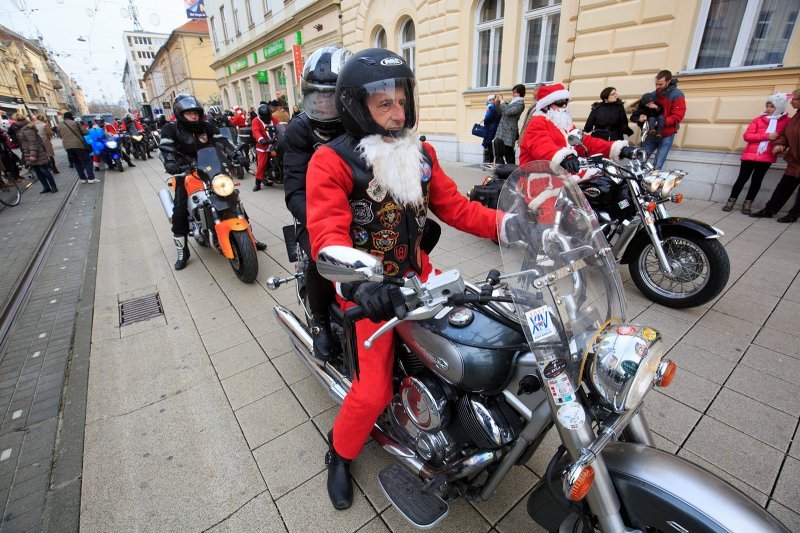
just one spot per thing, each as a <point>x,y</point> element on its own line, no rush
<point>561,103</point>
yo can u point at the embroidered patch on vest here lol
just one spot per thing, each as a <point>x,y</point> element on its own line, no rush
<point>203,138</point>
<point>362,212</point>
<point>385,240</point>
<point>360,236</point>
<point>390,268</point>
<point>376,191</point>
<point>401,252</point>
<point>390,215</point>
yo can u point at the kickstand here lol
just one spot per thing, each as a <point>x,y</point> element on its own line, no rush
<point>433,484</point>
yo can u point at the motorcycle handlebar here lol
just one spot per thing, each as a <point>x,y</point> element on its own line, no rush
<point>354,314</point>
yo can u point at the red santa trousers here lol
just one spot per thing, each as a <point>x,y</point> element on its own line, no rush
<point>261,168</point>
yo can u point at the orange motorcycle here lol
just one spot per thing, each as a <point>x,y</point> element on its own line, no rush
<point>217,217</point>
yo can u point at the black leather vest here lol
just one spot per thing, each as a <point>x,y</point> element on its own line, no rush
<point>381,226</point>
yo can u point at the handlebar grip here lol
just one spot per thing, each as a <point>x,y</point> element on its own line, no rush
<point>354,314</point>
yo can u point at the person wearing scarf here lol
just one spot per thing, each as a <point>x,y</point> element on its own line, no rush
<point>757,156</point>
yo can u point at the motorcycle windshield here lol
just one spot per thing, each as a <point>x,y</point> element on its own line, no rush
<point>226,132</point>
<point>209,161</point>
<point>563,278</point>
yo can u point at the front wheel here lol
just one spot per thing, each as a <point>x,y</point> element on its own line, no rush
<point>238,172</point>
<point>245,260</point>
<point>700,270</point>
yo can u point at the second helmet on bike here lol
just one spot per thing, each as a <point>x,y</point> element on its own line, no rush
<point>265,114</point>
<point>318,83</point>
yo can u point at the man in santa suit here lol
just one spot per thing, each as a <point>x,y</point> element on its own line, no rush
<point>262,137</point>
<point>545,138</point>
<point>370,189</point>
<point>238,119</point>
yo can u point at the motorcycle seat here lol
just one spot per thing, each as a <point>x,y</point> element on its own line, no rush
<point>504,171</point>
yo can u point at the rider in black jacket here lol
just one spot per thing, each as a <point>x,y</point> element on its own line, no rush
<point>215,115</point>
<point>180,141</point>
<point>317,125</point>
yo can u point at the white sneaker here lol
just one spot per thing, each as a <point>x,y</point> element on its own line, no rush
<point>94,181</point>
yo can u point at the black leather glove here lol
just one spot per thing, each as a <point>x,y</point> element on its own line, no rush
<point>627,152</point>
<point>571,164</point>
<point>238,158</point>
<point>172,167</point>
<point>380,301</point>
<point>263,142</point>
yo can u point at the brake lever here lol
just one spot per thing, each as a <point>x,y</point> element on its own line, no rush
<point>420,313</point>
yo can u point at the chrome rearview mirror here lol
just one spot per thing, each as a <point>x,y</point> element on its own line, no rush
<point>575,137</point>
<point>347,265</point>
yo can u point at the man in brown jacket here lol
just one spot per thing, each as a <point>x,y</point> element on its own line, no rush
<point>788,144</point>
<point>77,150</point>
<point>33,152</point>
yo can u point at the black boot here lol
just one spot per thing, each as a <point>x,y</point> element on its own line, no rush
<point>260,246</point>
<point>183,252</point>
<point>340,487</point>
<point>321,334</point>
<point>257,186</point>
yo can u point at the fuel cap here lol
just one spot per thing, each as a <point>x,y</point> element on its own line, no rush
<point>460,317</point>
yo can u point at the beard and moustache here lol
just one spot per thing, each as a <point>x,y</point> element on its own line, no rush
<point>560,117</point>
<point>396,166</point>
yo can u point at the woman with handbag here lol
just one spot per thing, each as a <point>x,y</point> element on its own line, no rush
<point>491,119</point>
<point>46,133</point>
<point>33,152</point>
<point>78,152</point>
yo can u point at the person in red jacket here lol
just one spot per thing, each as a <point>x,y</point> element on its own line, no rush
<point>671,99</point>
<point>545,137</point>
<point>262,137</point>
<point>757,156</point>
<point>238,119</point>
<point>370,189</point>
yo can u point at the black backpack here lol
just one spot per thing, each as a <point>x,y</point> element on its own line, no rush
<point>487,194</point>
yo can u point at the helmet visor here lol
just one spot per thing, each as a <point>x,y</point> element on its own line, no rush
<point>319,102</point>
<point>384,106</point>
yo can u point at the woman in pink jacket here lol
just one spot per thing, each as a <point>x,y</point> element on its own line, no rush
<point>758,156</point>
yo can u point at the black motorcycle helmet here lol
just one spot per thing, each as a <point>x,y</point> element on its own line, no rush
<point>318,84</point>
<point>368,72</point>
<point>265,114</point>
<point>184,103</point>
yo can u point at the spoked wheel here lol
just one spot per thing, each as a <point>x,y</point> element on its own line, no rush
<point>245,261</point>
<point>238,172</point>
<point>700,270</point>
<point>9,193</point>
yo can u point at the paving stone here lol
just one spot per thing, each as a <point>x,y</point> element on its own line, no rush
<point>259,513</point>
<point>692,390</point>
<point>512,489</point>
<point>672,329</point>
<point>789,518</point>
<point>226,338</point>
<point>781,318</point>
<point>463,518</point>
<point>663,443</point>
<point>275,344</point>
<point>754,418</point>
<point>669,417</point>
<point>313,397</point>
<point>365,470</point>
<point>28,521</point>
<point>324,421</point>
<point>238,359</point>
<point>728,346</point>
<point>376,525</point>
<point>788,481</point>
<point>208,320</point>
<point>700,362</point>
<point>252,384</point>
<point>773,363</point>
<point>291,459</point>
<point>765,388</point>
<point>742,456</point>
<point>270,417</point>
<point>730,325</point>
<point>290,367</point>
<point>308,508</point>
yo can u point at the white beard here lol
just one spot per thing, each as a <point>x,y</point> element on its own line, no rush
<point>396,165</point>
<point>561,118</point>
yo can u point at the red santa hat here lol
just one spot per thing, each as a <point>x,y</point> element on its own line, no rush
<point>549,94</point>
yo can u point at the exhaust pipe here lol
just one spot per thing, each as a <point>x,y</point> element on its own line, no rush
<point>338,385</point>
<point>166,202</point>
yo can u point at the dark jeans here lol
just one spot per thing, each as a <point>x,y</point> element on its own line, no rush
<point>180,211</point>
<point>488,153</point>
<point>781,195</point>
<point>758,169</point>
<point>320,291</point>
<point>657,123</point>
<point>82,161</point>
<point>503,153</point>
<point>45,177</point>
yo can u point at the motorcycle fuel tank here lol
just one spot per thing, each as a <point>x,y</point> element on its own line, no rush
<point>476,355</point>
<point>604,194</point>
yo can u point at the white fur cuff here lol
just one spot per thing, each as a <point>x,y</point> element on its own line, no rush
<point>561,154</point>
<point>616,148</point>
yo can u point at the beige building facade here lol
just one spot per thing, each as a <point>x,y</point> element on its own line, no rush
<point>728,55</point>
<point>181,65</point>
<point>254,42</point>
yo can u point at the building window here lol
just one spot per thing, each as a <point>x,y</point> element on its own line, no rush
<point>380,38</point>
<point>144,97</point>
<point>743,33</point>
<point>130,41</point>
<point>236,21</point>
<point>144,69</point>
<point>406,38</point>
<point>249,11</point>
<point>224,25</point>
<point>267,8</point>
<point>540,34</point>
<point>214,34</point>
<point>489,38</point>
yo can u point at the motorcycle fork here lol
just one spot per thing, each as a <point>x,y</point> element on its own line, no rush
<point>649,221</point>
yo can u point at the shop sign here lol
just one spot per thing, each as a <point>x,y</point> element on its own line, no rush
<point>297,56</point>
<point>298,37</point>
<point>240,64</point>
<point>262,76</point>
<point>274,49</point>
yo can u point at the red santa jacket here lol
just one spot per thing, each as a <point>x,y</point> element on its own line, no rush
<point>259,132</point>
<point>239,120</point>
<point>544,141</point>
<point>330,183</point>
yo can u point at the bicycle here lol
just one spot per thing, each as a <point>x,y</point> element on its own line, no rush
<point>10,192</point>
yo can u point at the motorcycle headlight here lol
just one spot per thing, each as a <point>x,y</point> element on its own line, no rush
<point>112,144</point>
<point>653,182</point>
<point>222,185</point>
<point>625,362</point>
<point>672,180</point>
<point>137,138</point>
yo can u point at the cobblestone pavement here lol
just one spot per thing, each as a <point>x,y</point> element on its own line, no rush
<point>204,419</point>
<point>36,357</point>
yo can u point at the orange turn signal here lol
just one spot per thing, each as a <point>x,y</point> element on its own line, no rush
<point>678,198</point>
<point>582,485</point>
<point>273,154</point>
<point>668,374</point>
<point>651,206</point>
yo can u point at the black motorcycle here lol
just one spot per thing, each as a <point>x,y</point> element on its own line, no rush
<point>676,262</point>
<point>275,152</point>
<point>138,144</point>
<point>237,169</point>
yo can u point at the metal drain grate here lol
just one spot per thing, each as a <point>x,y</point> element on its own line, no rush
<point>139,309</point>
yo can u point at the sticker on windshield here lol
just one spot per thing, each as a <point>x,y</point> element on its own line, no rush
<point>572,416</point>
<point>540,322</point>
<point>649,334</point>
<point>561,389</point>
<point>626,330</point>
<point>623,204</point>
<point>555,368</point>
